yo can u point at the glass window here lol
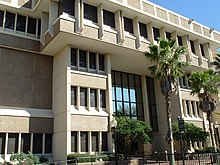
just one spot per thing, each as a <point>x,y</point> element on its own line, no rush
<point>39,28</point>
<point>37,143</point>
<point>92,60</point>
<point>95,146</point>
<point>90,12</point>
<point>197,107</point>
<point>143,30</point>
<point>193,108</point>
<point>73,95</point>
<point>202,50</point>
<point>101,62</point>
<point>82,59</point>
<point>156,32</point>
<point>83,97</point>
<point>93,98</point>
<point>1,17</point>
<point>69,7</point>
<point>25,142</point>
<point>187,107</point>
<point>21,22</point>
<point>168,35</point>
<point>84,141</point>
<point>31,26</point>
<point>2,143</point>
<point>48,143</point>
<point>10,20</point>
<point>180,41</point>
<point>73,57</point>
<point>128,25</point>
<point>12,143</point>
<point>192,46</point>
<point>73,141</point>
<point>109,18</point>
<point>104,141</point>
<point>102,99</point>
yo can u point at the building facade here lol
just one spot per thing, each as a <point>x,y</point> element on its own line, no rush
<point>67,66</point>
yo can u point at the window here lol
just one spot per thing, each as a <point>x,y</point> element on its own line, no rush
<point>39,28</point>
<point>12,143</point>
<point>21,22</point>
<point>104,141</point>
<point>2,143</point>
<point>25,142</point>
<point>127,95</point>
<point>95,146</point>
<point>168,35</point>
<point>193,108</point>
<point>197,107</point>
<point>93,98</point>
<point>180,41</point>
<point>83,97</point>
<point>84,141</point>
<point>1,18</point>
<point>143,30</point>
<point>73,57</point>
<point>152,103</point>
<point>73,141</point>
<point>109,18</point>
<point>48,143</point>
<point>156,34</point>
<point>31,26</point>
<point>202,50</point>
<point>82,59</point>
<point>102,99</point>
<point>192,46</point>
<point>73,95</point>
<point>37,143</point>
<point>101,62</point>
<point>187,107</point>
<point>90,12</point>
<point>128,25</point>
<point>92,60</point>
<point>10,20</point>
<point>67,6</point>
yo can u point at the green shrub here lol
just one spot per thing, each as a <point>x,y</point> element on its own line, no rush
<point>86,157</point>
<point>43,159</point>
<point>209,149</point>
<point>28,159</point>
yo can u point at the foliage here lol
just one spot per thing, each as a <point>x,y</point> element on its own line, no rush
<point>192,133</point>
<point>86,157</point>
<point>217,63</point>
<point>28,159</point>
<point>43,159</point>
<point>130,131</point>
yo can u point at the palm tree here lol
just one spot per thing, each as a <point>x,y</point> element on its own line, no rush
<point>206,84</point>
<point>217,63</point>
<point>167,69</point>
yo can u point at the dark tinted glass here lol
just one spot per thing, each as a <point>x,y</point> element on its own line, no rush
<point>168,35</point>
<point>73,95</point>
<point>93,98</point>
<point>48,143</point>
<point>1,17</point>
<point>10,20</point>
<point>202,50</point>
<point>73,141</point>
<point>103,98</point>
<point>192,46</point>
<point>180,41</point>
<point>82,59</point>
<point>84,141</point>
<point>95,146</point>
<point>32,26</point>
<point>37,143</point>
<point>69,7</point>
<point>12,143</point>
<point>83,96</point>
<point>92,60</point>
<point>101,62</point>
<point>2,143</point>
<point>104,141</point>
<point>21,22</point>
<point>25,142</point>
<point>39,28</point>
<point>90,12</point>
<point>143,30</point>
<point>73,57</point>
<point>128,25</point>
<point>109,18</point>
<point>156,33</point>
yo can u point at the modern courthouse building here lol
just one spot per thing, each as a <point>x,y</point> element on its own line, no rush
<point>67,65</point>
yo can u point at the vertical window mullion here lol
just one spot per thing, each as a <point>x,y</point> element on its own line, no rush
<point>26,25</point>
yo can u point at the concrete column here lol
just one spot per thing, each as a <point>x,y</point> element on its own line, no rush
<point>19,142</point>
<point>90,142</point>
<point>186,43</point>
<point>43,144</point>
<point>100,20</point>
<point>53,14</point>
<point>150,32</point>
<point>137,32</point>
<point>200,145</point>
<point>174,36</point>
<point>119,25</point>
<point>162,33</point>
<point>98,100</point>
<point>78,142</point>
<point>100,141</point>
<point>77,16</point>
<point>195,108</point>
<point>44,26</point>
<point>198,51</point>
<point>196,146</point>
<point>184,108</point>
<point>145,98</point>
<point>208,52</point>
<point>6,144</point>
<point>190,109</point>
<point>31,145</point>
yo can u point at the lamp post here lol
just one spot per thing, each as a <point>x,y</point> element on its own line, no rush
<point>113,128</point>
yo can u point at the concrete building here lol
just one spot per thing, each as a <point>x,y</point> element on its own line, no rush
<point>67,66</point>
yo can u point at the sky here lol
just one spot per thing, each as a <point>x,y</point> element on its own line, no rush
<point>206,12</point>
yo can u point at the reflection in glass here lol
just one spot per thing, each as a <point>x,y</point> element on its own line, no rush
<point>125,94</point>
<point>132,95</point>
<point>126,109</point>
<point>113,106</point>
<point>113,93</point>
<point>118,94</point>
<point>119,107</point>
<point>133,109</point>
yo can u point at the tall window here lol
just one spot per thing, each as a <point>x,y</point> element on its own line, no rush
<point>109,18</point>
<point>1,17</point>
<point>180,41</point>
<point>128,25</point>
<point>143,29</point>
<point>187,107</point>
<point>202,50</point>
<point>10,20</point>
<point>37,143</point>
<point>25,142</point>
<point>156,32</point>
<point>192,46</point>
<point>73,141</point>
<point>82,59</point>
<point>101,62</point>
<point>127,95</point>
<point>93,98</point>
<point>168,35</point>
<point>2,143</point>
<point>12,143</point>
<point>152,103</point>
<point>31,26</point>
<point>90,12</point>
<point>21,22</point>
<point>102,99</point>
<point>39,28</point>
<point>104,141</point>
<point>73,57</point>
<point>197,107</point>
<point>92,60</point>
<point>83,97</point>
<point>67,6</point>
<point>84,141</point>
<point>95,146</point>
<point>73,95</point>
<point>48,143</point>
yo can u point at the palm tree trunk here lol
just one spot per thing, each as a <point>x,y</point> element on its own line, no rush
<point>210,127</point>
<point>170,132</point>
